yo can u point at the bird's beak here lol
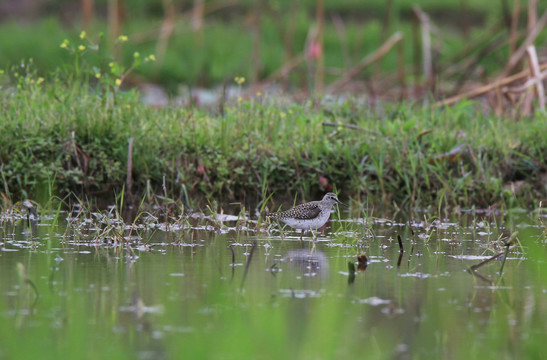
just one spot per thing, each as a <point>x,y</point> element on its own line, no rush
<point>341,203</point>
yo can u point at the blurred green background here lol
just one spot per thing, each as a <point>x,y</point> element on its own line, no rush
<point>204,43</point>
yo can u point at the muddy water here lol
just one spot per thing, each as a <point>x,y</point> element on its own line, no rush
<point>207,287</point>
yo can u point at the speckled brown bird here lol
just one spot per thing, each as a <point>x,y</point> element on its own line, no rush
<point>308,216</point>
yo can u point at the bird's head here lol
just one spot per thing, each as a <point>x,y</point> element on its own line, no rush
<point>332,198</point>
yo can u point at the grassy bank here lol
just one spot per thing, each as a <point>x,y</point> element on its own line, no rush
<point>63,136</point>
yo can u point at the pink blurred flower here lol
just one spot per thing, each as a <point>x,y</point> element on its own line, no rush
<point>315,50</point>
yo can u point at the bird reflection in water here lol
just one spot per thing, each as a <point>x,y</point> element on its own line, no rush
<point>311,263</point>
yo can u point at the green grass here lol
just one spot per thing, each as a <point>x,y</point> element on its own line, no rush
<point>61,136</point>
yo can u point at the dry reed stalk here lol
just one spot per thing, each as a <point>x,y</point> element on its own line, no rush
<point>115,16</point>
<point>462,62</point>
<point>498,109</point>
<point>465,68</point>
<point>487,37</point>
<point>320,69</point>
<point>88,12</point>
<point>166,31</point>
<point>514,27</point>
<point>528,100</point>
<point>536,76</point>
<point>427,61</point>
<point>415,51</point>
<point>282,72</point>
<point>401,68</point>
<point>532,35</point>
<point>198,12</point>
<point>150,35</point>
<point>532,14</point>
<point>486,88</point>
<point>367,60</point>
<point>524,87</point>
<point>128,180</point>
<point>342,38</point>
<point>255,57</point>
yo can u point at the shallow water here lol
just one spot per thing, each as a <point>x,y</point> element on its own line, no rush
<point>202,288</point>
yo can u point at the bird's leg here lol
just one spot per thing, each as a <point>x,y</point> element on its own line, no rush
<point>301,234</point>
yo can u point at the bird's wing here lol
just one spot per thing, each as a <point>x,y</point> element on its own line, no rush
<point>311,212</point>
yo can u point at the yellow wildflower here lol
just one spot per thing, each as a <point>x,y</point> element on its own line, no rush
<point>82,35</point>
<point>122,38</point>
<point>81,48</point>
<point>111,64</point>
<point>98,75</point>
<point>64,44</point>
<point>118,82</point>
<point>152,57</point>
<point>239,99</point>
<point>239,80</point>
<point>136,54</point>
<point>40,80</point>
<point>259,94</point>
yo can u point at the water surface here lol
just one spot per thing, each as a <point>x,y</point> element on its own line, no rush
<point>204,288</point>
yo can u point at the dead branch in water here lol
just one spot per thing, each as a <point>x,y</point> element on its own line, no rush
<point>489,260</point>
